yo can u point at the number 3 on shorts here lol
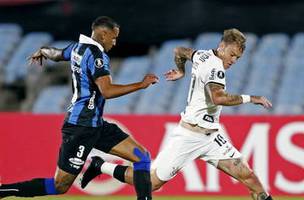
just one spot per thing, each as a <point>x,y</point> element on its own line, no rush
<point>80,151</point>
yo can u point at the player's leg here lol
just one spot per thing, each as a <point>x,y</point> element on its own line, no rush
<point>240,170</point>
<point>72,156</point>
<point>63,180</point>
<point>120,172</point>
<point>31,188</point>
<point>222,154</point>
<point>156,182</point>
<point>168,162</point>
<point>130,150</point>
<point>39,186</point>
<point>114,141</point>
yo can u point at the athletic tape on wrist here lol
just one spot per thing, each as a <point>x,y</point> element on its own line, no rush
<point>246,98</point>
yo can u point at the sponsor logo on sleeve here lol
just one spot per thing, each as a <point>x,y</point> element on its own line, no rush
<point>211,77</point>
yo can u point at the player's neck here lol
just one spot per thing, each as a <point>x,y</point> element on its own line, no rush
<point>96,39</point>
<point>215,52</point>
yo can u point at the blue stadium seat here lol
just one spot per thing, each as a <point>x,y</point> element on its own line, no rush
<point>179,100</point>
<point>266,65</point>
<point>10,35</point>
<point>207,41</point>
<point>266,68</point>
<point>16,68</point>
<point>132,69</point>
<point>53,99</point>
<point>10,29</point>
<point>156,99</point>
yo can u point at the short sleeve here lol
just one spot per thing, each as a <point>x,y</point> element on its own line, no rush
<point>66,52</point>
<point>99,64</point>
<point>215,75</point>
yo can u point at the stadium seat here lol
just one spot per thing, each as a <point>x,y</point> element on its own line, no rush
<point>16,68</point>
<point>10,35</point>
<point>266,68</point>
<point>157,99</point>
<point>53,99</point>
<point>132,69</point>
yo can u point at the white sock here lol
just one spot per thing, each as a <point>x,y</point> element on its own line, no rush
<point>108,168</point>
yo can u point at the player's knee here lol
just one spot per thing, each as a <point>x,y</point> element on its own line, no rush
<point>129,174</point>
<point>156,182</point>
<point>144,162</point>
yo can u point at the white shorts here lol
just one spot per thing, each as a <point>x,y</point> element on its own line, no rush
<point>185,146</point>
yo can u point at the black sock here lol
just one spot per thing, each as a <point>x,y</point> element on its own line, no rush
<point>119,173</point>
<point>34,187</point>
<point>269,198</point>
<point>142,184</point>
<point>141,175</point>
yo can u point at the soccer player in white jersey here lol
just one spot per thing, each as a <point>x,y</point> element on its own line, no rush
<point>198,135</point>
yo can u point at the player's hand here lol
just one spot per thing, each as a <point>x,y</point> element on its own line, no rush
<point>37,57</point>
<point>148,80</point>
<point>260,100</point>
<point>174,74</point>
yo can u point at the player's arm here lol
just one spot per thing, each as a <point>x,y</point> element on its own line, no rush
<point>110,90</point>
<point>219,96</point>
<point>44,53</point>
<point>181,55</point>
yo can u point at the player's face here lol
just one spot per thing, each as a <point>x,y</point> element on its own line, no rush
<point>230,53</point>
<point>109,38</point>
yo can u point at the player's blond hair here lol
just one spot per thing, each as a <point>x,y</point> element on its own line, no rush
<point>233,35</point>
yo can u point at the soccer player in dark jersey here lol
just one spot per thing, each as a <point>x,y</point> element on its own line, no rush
<point>84,127</point>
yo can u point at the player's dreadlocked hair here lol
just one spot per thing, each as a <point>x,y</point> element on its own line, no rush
<point>104,21</point>
<point>234,36</point>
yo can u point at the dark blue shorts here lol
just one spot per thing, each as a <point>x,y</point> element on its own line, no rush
<point>78,141</point>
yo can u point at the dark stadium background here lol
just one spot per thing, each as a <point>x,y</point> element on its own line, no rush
<point>146,23</point>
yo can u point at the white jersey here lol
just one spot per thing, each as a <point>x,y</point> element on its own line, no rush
<point>185,145</point>
<point>200,110</point>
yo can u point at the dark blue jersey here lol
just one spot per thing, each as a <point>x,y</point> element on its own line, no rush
<point>88,62</point>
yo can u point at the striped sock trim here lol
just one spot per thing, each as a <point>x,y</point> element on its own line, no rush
<point>4,190</point>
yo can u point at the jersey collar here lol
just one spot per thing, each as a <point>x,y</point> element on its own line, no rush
<point>86,40</point>
<point>220,60</point>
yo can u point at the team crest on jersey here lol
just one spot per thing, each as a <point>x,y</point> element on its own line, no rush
<point>221,74</point>
<point>98,63</point>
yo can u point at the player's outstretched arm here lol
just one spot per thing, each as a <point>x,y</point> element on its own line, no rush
<point>44,53</point>
<point>110,90</point>
<point>219,96</point>
<point>181,55</point>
